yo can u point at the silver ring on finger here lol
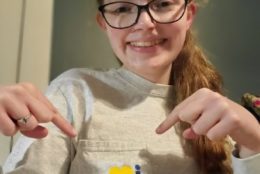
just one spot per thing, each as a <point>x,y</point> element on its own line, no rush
<point>24,120</point>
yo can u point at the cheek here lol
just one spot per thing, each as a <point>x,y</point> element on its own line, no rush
<point>180,28</point>
<point>116,39</point>
<point>178,35</point>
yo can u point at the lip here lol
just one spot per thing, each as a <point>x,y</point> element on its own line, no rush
<point>146,45</point>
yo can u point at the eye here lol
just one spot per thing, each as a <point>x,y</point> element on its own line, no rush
<point>119,8</point>
<point>163,5</point>
<point>122,10</point>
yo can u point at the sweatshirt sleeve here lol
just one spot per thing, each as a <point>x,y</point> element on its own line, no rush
<point>48,155</point>
<point>250,165</point>
<point>54,153</point>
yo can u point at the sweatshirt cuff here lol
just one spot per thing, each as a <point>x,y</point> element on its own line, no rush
<point>249,165</point>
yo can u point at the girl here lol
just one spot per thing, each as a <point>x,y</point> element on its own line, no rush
<point>164,76</point>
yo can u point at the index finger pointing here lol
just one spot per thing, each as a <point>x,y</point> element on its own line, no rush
<point>171,120</point>
<point>64,125</point>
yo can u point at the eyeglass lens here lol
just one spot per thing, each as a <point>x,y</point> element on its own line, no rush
<point>125,14</point>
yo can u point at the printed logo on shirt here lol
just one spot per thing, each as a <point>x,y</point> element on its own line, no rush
<point>125,169</point>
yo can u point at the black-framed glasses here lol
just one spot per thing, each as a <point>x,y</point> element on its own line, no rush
<point>123,14</point>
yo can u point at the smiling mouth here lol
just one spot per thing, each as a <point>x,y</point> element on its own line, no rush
<point>146,43</point>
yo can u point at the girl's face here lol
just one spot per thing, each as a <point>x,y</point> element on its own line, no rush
<point>148,48</point>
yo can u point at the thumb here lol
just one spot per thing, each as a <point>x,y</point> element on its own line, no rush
<point>190,134</point>
<point>38,132</point>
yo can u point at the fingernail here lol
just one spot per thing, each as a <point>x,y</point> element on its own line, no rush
<point>158,129</point>
<point>74,132</point>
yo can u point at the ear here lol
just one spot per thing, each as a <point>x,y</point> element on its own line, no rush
<point>101,21</point>
<point>191,13</point>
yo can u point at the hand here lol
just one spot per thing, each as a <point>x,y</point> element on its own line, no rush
<point>216,117</point>
<point>25,100</point>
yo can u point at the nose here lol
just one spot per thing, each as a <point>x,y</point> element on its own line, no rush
<point>145,20</point>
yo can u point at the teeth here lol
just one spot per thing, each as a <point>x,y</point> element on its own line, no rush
<point>146,44</point>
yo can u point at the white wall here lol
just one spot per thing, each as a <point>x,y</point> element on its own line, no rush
<point>25,46</point>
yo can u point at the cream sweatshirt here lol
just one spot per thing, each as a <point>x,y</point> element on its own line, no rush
<point>115,113</point>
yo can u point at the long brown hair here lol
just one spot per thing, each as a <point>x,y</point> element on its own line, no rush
<point>192,71</point>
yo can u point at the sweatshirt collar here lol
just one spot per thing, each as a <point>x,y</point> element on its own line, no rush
<point>145,86</point>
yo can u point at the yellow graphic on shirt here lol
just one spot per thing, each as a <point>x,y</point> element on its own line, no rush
<point>123,170</point>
